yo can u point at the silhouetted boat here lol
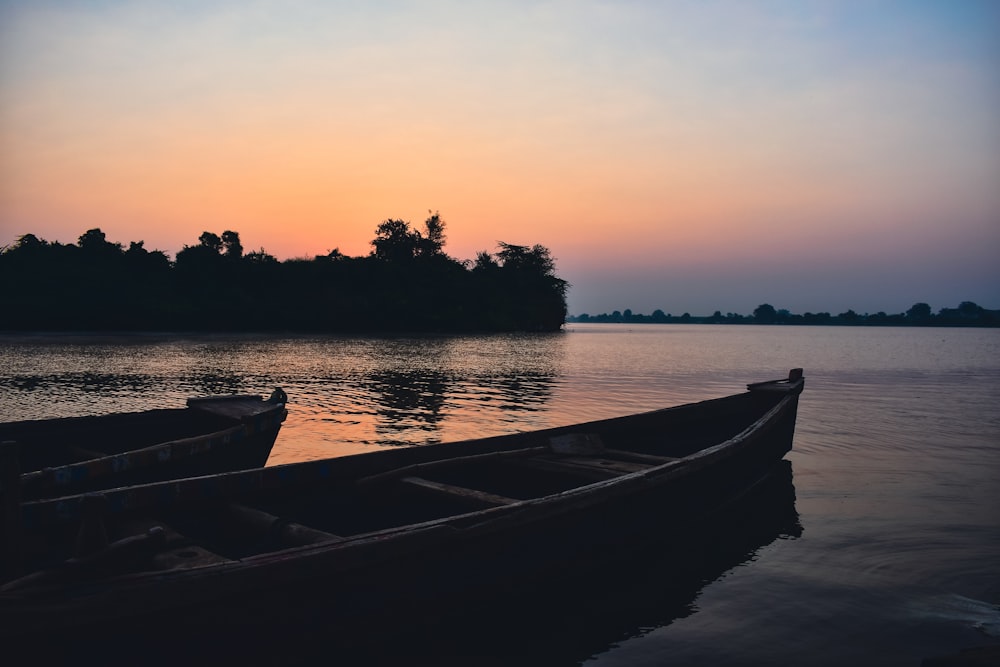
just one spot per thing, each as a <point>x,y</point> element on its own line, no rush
<point>349,541</point>
<point>58,457</point>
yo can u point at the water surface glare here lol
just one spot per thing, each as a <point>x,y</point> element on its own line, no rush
<point>895,466</point>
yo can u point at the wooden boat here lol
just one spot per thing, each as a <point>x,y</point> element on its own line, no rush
<point>58,457</point>
<point>345,541</point>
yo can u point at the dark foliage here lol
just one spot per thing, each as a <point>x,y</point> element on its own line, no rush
<point>967,314</point>
<point>407,283</point>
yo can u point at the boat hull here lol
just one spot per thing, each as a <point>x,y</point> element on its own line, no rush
<point>725,448</point>
<point>71,455</point>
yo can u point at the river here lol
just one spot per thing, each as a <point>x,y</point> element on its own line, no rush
<point>893,554</point>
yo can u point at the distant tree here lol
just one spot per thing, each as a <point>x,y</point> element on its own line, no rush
<point>485,262</point>
<point>27,243</point>
<point>94,242</point>
<point>260,257</point>
<point>138,257</point>
<point>231,243</point>
<point>203,259</point>
<point>765,313</point>
<point>969,309</point>
<point>432,242</point>
<point>210,241</point>
<point>536,260</point>
<point>395,242</point>
<point>849,317</point>
<point>918,313</point>
<point>816,318</point>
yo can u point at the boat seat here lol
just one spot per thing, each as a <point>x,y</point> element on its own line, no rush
<point>473,496</point>
<point>588,467</point>
<point>623,455</point>
<point>283,531</point>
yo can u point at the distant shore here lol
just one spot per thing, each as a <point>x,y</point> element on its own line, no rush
<point>967,314</point>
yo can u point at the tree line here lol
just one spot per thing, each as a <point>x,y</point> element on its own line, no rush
<point>406,283</point>
<point>967,314</point>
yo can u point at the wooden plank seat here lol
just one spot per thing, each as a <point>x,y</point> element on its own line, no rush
<point>596,468</point>
<point>281,530</point>
<point>623,455</point>
<point>405,471</point>
<point>472,496</point>
<point>592,445</point>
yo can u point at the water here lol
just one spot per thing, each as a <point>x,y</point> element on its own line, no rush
<point>896,461</point>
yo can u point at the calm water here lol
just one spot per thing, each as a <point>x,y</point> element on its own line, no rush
<point>896,463</point>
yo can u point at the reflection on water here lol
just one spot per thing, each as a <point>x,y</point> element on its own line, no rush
<point>86,382</point>
<point>346,395</point>
<point>609,597</point>
<point>209,382</point>
<point>405,401</point>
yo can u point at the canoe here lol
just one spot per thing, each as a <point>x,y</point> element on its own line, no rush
<point>401,532</point>
<point>58,457</point>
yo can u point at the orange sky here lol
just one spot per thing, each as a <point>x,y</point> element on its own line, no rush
<point>662,151</point>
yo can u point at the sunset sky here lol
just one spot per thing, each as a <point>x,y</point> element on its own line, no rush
<point>690,156</point>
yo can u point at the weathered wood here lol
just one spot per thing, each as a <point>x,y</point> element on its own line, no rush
<point>459,492</point>
<point>794,376</point>
<point>452,461</point>
<point>624,455</point>
<point>281,530</point>
<point>591,468</point>
<point>580,444</point>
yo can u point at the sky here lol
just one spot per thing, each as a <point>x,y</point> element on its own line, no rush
<point>689,156</point>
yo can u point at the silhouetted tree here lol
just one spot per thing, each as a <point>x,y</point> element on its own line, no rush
<point>485,262</point>
<point>407,282</point>
<point>433,239</point>
<point>850,317</point>
<point>231,243</point>
<point>260,257</point>
<point>765,313</point>
<point>395,241</point>
<point>210,241</point>
<point>969,309</point>
<point>94,242</point>
<point>919,313</point>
